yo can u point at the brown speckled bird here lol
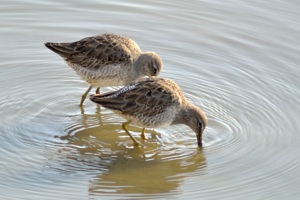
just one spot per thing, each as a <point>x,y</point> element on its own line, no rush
<point>107,60</point>
<point>153,102</point>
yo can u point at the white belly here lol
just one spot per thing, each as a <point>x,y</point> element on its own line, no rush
<point>111,75</point>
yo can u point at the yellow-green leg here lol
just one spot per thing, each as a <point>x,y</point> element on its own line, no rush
<point>98,90</point>
<point>143,136</point>
<point>135,142</point>
<point>84,95</point>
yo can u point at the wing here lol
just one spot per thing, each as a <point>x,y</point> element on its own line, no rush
<point>147,97</point>
<point>94,52</point>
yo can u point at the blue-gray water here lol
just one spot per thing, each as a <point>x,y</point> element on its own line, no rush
<point>237,60</point>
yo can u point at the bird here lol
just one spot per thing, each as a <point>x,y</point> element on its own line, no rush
<point>153,102</point>
<point>107,60</point>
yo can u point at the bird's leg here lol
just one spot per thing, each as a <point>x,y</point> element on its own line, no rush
<point>143,136</point>
<point>84,95</point>
<point>98,90</point>
<point>136,143</point>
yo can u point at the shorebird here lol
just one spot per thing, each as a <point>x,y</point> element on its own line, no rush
<point>107,60</point>
<point>153,102</point>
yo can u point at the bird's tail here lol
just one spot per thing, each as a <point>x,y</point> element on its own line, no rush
<point>62,49</point>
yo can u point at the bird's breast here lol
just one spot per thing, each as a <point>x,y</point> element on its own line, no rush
<point>109,75</point>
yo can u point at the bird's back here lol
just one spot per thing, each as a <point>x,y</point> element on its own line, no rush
<point>150,102</point>
<point>101,50</point>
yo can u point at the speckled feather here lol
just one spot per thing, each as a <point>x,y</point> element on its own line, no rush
<point>144,99</point>
<point>151,102</point>
<point>97,51</point>
<point>107,60</point>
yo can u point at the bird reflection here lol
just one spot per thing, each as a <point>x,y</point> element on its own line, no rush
<point>105,153</point>
<point>157,174</point>
<point>115,166</point>
<point>82,121</point>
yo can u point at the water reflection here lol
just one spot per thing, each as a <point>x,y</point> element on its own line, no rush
<point>104,151</point>
<point>149,174</point>
<point>238,60</point>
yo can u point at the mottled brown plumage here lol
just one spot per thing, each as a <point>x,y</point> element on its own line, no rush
<point>107,60</point>
<point>154,102</point>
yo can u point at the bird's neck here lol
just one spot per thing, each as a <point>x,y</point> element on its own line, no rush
<point>182,117</point>
<point>139,67</point>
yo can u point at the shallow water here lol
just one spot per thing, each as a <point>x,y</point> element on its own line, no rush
<point>238,61</point>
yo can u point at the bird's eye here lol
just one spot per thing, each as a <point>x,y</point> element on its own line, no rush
<point>154,71</point>
<point>200,124</point>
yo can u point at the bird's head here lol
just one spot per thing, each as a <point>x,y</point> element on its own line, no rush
<point>150,64</point>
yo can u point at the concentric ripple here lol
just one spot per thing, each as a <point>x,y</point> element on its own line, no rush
<point>237,60</point>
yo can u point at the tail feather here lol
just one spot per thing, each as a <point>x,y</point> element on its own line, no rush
<point>62,49</point>
<point>115,104</point>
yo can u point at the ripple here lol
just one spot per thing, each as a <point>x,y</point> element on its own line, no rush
<point>101,151</point>
<point>245,126</point>
<point>91,142</point>
<point>242,71</point>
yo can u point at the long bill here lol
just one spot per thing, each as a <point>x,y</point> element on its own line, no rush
<point>199,138</point>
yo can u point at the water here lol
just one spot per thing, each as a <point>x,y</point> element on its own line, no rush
<point>238,61</point>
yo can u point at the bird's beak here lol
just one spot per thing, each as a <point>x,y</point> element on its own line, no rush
<point>199,139</point>
<point>199,136</point>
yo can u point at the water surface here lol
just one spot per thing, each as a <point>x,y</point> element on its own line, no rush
<point>238,61</point>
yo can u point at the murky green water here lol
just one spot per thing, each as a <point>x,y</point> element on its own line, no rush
<point>237,60</point>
